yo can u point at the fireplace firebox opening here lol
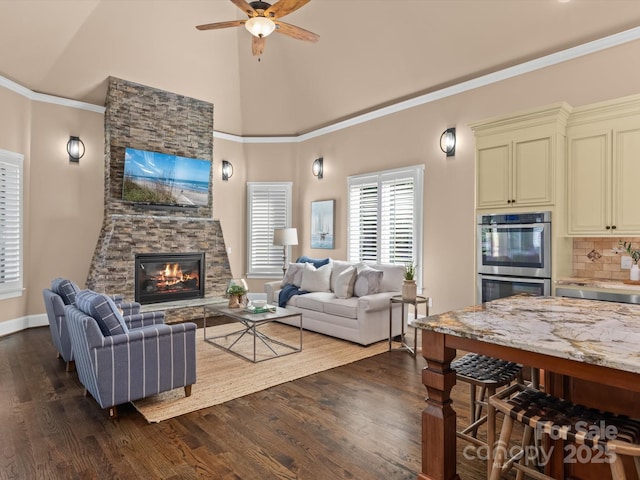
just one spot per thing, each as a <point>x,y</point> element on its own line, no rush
<point>165,277</point>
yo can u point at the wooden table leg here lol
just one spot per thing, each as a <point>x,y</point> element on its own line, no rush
<point>438,418</point>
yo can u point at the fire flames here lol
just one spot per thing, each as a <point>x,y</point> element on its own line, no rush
<point>172,275</point>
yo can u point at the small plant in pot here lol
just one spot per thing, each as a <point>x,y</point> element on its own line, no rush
<point>409,288</point>
<point>634,253</point>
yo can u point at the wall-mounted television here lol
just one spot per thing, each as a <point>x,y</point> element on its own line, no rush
<point>160,179</point>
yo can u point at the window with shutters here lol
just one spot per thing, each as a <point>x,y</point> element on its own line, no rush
<point>385,216</point>
<point>269,207</point>
<point>10,224</point>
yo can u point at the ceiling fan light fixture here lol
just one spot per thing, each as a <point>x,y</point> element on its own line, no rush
<point>260,26</point>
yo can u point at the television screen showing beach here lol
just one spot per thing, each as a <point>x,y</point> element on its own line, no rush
<point>162,179</point>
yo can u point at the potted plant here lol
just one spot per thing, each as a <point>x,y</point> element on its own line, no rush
<point>409,288</point>
<point>236,290</point>
<point>634,253</point>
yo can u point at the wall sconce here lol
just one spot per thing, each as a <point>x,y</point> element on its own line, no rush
<point>448,142</point>
<point>75,149</point>
<point>227,170</point>
<point>317,167</point>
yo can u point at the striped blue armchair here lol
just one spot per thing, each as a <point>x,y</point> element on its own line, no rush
<point>117,364</point>
<point>63,292</point>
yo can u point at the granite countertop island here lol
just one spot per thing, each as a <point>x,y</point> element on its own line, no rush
<point>572,340</point>
<point>599,333</point>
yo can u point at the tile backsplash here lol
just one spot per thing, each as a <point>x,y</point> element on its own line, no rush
<point>597,257</point>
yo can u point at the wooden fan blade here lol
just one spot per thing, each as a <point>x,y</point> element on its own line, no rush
<point>257,46</point>
<point>284,7</point>
<point>296,32</point>
<point>214,26</point>
<point>245,7</point>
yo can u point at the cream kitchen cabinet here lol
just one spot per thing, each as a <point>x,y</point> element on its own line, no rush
<point>516,158</point>
<point>603,170</point>
<point>515,173</point>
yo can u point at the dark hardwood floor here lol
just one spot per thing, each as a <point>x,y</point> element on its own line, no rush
<point>360,421</point>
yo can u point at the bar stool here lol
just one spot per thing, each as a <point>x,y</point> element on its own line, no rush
<point>610,434</point>
<point>489,374</point>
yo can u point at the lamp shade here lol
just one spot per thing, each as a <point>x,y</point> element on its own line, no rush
<point>285,236</point>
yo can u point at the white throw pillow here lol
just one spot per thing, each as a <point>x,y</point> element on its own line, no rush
<point>293,275</point>
<point>345,282</point>
<point>316,279</point>
<point>368,281</point>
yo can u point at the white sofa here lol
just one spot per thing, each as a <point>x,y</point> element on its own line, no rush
<point>360,319</point>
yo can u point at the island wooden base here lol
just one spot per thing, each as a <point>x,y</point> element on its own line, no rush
<point>439,417</point>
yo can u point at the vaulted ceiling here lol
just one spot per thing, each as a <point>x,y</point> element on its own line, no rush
<point>371,53</point>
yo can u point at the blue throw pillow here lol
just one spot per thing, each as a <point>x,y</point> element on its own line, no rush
<point>103,310</point>
<point>66,289</point>
<point>316,262</point>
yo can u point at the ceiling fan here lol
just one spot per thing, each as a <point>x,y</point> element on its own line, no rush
<point>264,19</point>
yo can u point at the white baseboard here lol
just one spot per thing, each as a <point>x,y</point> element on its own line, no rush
<point>22,323</point>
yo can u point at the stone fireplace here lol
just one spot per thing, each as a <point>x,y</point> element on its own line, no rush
<point>149,119</point>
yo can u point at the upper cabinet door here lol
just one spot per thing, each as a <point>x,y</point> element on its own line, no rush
<point>626,180</point>
<point>494,175</point>
<point>533,172</point>
<point>588,183</point>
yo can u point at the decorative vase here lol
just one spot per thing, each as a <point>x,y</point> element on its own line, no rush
<point>235,301</point>
<point>409,290</point>
<point>634,275</point>
<point>236,290</point>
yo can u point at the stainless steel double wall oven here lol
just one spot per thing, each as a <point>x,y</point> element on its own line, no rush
<point>514,254</point>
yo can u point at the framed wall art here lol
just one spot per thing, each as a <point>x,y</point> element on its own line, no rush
<point>322,224</point>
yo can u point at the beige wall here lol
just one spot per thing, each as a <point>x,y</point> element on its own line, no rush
<point>65,201</point>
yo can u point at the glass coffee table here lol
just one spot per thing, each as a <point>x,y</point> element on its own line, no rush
<point>249,341</point>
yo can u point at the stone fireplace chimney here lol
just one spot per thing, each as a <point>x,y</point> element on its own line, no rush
<point>149,119</point>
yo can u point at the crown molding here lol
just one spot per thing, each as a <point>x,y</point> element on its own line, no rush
<point>43,97</point>
<point>562,56</point>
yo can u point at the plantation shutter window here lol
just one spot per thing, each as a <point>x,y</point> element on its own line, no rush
<point>385,217</point>
<point>397,220</point>
<point>363,220</point>
<point>269,208</point>
<point>11,167</point>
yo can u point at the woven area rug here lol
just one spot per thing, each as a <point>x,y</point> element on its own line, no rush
<point>222,376</point>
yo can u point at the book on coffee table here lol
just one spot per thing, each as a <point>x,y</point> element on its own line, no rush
<point>263,309</point>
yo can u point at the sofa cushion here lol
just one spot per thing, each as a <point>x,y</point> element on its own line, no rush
<point>316,301</point>
<point>66,289</point>
<point>368,281</point>
<point>103,310</point>
<point>293,275</point>
<point>316,279</point>
<point>392,278</point>
<point>346,308</point>
<point>345,281</point>
<point>339,266</point>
